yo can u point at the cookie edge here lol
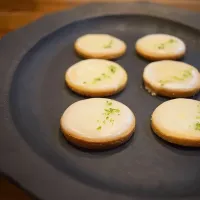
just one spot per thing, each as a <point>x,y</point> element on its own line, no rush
<point>107,56</point>
<point>173,139</point>
<point>94,92</point>
<point>172,93</point>
<point>99,144</point>
<point>153,57</point>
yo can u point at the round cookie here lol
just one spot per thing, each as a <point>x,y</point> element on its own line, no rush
<point>160,47</point>
<point>96,78</point>
<point>178,121</point>
<point>102,46</point>
<point>97,123</point>
<point>171,79</point>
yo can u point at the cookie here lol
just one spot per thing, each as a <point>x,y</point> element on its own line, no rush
<point>171,79</point>
<point>96,78</point>
<point>102,46</point>
<point>97,123</point>
<point>160,47</point>
<point>178,121</point>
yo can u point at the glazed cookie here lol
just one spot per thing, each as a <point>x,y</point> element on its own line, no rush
<point>97,123</point>
<point>100,46</point>
<point>178,121</point>
<point>96,78</point>
<point>171,79</point>
<point>160,47</point>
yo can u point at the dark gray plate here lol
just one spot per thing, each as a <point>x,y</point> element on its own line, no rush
<point>33,96</point>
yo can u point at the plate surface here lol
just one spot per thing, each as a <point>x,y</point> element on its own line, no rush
<point>33,97</point>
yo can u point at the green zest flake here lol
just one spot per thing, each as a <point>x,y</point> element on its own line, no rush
<point>198,108</point>
<point>108,113</point>
<point>99,128</point>
<point>105,75</point>
<point>112,68</point>
<point>109,103</point>
<point>96,80</point>
<point>177,78</point>
<point>163,45</point>
<point>183,76</point>
<point>197,126</point>
<point>84,82</point>
<point>112,121</point>
<point>111,111</point>
<point>172,41</point>
<point>187,73</point>
<point>163,82</point>
<point>109,45</point>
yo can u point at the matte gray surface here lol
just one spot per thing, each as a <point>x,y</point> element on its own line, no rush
<point>33,96</point>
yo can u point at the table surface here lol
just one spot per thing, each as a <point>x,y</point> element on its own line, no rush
<point>17,13</point>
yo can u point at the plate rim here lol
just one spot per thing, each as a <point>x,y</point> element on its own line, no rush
<point>13,148</point>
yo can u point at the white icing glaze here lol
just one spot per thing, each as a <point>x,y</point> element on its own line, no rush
<point>165,70</point>
<point>150,44</point>
<point>95,43</point>
<point>84,117</point>
<point>85,73</point>
<point>178,117</point>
